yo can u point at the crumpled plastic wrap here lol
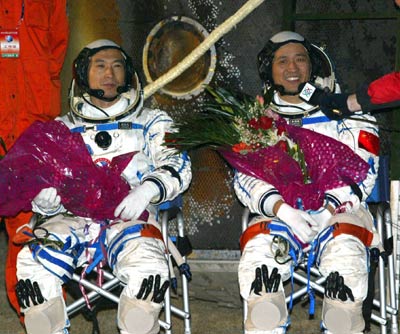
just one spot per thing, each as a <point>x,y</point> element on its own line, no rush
<point>330,164</point>
<point>48,155</point>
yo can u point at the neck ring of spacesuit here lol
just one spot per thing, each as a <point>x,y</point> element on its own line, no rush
<point>134,97</point>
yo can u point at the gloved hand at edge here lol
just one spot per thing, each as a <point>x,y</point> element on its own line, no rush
<point>301,223</point>
<point>28,293</point>
<point>47,202</point>
<point>158,292</point>
<point>336,289</point>
<point>133,205</point>
<point>322,217</point>
<point>262,280</point>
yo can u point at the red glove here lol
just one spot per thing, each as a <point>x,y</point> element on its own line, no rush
<point>382,93</point>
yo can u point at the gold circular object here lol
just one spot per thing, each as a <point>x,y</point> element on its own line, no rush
<point>168,43</point>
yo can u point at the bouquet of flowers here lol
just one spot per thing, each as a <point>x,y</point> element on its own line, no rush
<point>256,141</point>
<point>47,154</point>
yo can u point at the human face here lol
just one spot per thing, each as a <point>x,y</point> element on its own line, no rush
<point>106,72</point>
<point>291,66</point>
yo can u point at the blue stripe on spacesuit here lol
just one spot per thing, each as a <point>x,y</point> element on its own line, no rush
<point>58,263</point>
<point>319,244</point>
<point>139,175</point>
<point>155,120</point>
<point>99,246</point>
<point>371,171</point>
<point>236,177</point>
<point>147,127</point>
<point>281,229</point>
<point>371,163</point>
<point>104,127</point>
<point>185,159</point>
<point>314,120</point>
<point>78,247</point>
<point>118,243</point>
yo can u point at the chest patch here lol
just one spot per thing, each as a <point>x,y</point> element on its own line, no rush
<point>102,162</point>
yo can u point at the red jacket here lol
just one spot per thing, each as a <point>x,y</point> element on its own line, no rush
<point>385,89</point>
<point>30,84</point>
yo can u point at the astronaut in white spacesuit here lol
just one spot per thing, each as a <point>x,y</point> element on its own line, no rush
<point>107,110</point>
<point>279,235</point>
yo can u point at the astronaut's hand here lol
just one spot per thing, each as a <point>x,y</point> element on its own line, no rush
<point>334,106</point>
<point>301,223</point>
<point>47,201</point>
<point>322,217</point>
<point>184,269</point>
<point>336,289</point>
<point>147,287</point>
<point>28,294</point>
<point>270,284</point>
<point>133,205</point>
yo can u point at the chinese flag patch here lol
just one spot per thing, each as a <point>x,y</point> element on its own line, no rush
<point>368,141</point>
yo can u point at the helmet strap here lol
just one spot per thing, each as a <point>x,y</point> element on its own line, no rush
<point>94,106</point>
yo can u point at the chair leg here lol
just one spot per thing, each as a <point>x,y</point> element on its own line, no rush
<point>185,285</point>
<point>368,302</point>
<point>391,272</point>
<point>167,299</point>
<point>382,278</point>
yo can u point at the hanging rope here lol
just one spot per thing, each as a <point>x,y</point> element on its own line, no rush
<point>200,50</point>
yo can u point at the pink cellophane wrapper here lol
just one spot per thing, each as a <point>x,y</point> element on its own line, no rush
<point>330,165</point>
<point>48,155</point>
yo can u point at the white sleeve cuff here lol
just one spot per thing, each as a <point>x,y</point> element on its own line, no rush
<point>267,203</point>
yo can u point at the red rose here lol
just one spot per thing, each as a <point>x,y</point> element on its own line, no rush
<point>265,122</point>
<point>254,123</point>
<point>283,145</point>
<point>281,129</point>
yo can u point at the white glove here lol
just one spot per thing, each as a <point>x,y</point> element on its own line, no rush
<point>322,217</point>
<point>299,221</point>
<point>133,205</point>
<point>47,201</point>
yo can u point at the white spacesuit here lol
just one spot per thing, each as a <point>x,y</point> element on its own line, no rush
<point>111,124</point>
<point>275,242</point>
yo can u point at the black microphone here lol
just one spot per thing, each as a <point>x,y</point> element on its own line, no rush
<point>332,105</point>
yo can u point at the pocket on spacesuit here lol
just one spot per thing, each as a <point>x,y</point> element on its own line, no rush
<point>37,14</point>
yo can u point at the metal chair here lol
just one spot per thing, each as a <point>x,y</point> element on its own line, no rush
<point>110,288</point>
<point>381,309</point>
